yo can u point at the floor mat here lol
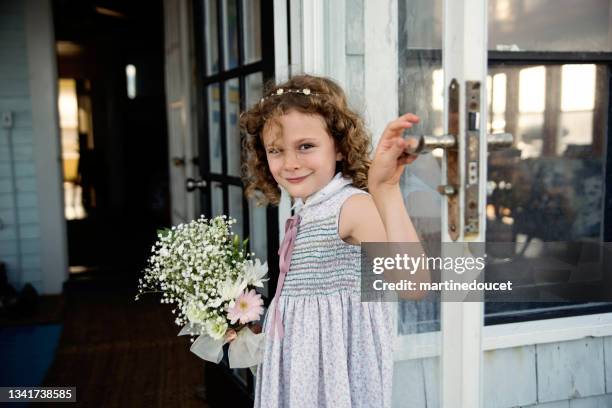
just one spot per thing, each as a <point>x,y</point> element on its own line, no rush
<point>26,353</point>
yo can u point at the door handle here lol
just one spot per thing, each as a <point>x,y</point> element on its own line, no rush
<point>467,177</point>
<point>191,184</point>
<point>427,143</point>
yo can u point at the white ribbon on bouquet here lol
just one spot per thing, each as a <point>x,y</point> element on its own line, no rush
<point>245,351</point>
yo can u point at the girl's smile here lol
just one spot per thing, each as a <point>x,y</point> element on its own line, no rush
<point>296,180</point>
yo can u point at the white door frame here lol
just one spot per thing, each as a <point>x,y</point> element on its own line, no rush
<point>464,59</point>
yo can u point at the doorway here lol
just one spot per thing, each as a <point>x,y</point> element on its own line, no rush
<point>114,136</point>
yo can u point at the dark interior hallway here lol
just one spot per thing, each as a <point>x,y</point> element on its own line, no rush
<point>119,352</point>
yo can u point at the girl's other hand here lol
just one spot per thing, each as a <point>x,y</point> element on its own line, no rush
<point>390,157</point>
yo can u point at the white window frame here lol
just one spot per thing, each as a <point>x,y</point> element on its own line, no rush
<point>510,335</point>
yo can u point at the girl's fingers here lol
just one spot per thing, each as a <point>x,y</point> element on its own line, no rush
<point>410,116</point>
<point>403,122</point>
<point>400,124</point>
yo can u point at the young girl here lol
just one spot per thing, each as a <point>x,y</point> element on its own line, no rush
<point>324,347</point>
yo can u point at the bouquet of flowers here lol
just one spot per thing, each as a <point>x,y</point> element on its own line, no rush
<point>204,269</point>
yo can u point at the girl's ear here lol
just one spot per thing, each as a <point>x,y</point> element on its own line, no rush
<point>338,156</point>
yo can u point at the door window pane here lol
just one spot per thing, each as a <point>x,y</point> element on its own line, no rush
<point>539,184</point>
<point>214,128</point>
<point>421,90</point>
<point>549,187</point>
<point>217,199</point>
<point>232,112</point>
<point>549,25</point>
<point>258,234</point>
<point>421,24</point>
<point>211,37</point>
<point>230,34</point>
<point>251,31</point>
<point>253,88</point>
<point>235,209</point>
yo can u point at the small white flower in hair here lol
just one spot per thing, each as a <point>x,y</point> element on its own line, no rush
<point>279,91</point>
<point>306,91</point>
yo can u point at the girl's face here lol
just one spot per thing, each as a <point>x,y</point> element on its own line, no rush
<point>301,154</point>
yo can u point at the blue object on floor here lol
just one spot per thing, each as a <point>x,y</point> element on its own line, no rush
<point>26,353</point>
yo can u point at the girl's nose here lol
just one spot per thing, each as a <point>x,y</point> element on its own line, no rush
<point>291,161</point>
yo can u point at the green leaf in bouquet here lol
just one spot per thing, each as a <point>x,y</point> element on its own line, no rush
<point>236,250</point>
<point>162,233</point>
<point>245,247</point>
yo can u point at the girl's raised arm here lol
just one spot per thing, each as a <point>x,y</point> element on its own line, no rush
<point>384,176</point>
<point>383,217</point>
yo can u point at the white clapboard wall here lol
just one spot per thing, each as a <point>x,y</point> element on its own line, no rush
<point>19,221</point>
<point>180,82</point>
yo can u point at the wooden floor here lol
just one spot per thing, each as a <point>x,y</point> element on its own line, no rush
<point>123,353</point>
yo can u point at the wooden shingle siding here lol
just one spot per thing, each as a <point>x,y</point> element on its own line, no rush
<point>572,369</point>
<point>510,377</point>
<point>15,96</point>
<point>571,374</point>
<point>601,401</point>
<point>557,404</point>
<point>409,384</point>
<point>607,346</point>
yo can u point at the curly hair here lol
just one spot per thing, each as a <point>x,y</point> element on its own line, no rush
<point>328,100</point>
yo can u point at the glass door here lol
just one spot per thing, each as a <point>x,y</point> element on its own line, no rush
<point>232,65</point>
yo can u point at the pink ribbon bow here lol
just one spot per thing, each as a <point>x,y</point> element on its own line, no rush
<point>285,251</point>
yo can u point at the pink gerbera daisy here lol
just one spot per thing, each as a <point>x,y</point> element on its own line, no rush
<point>247,307</point>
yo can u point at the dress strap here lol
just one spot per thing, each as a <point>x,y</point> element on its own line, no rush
<point>285,251</point>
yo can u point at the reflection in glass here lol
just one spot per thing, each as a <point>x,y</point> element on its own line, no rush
<point>217,199</point>
<point>211,37</point>
<point>235,209</point>
<point>557,151</point>
<point>251,32</point>
<point>421,90</point>
<point>230,34</point>
<point>253,88</point>
<point>549,25</point>
<point>232,112</point>
<point>214,128</point>
<point>258,234</point>
<point>549,186</point>
<point>518,25</point>
<point>421,24</point>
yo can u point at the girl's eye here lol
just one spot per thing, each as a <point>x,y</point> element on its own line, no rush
<point>272,151</point>
<point>305,146</point>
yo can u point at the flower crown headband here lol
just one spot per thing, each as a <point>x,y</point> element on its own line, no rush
<point>282,91</point>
